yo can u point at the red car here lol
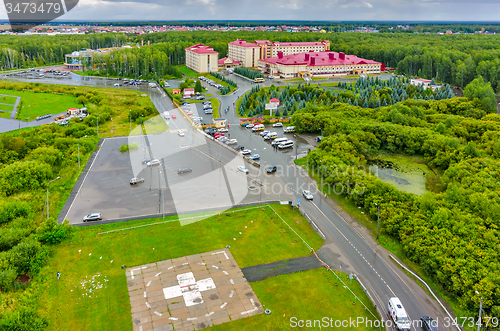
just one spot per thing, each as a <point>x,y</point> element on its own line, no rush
<point>218,134</point>
<point>174,116</point>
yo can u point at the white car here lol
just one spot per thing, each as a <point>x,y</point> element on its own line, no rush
<point>277,125</point>
<point>223,130</point>
<point>180,133</point>
<point>92,217</point>
<point>243,169</point>
<point>307,194</point>
<point>231,141</point>
<point>246,152</point>
<point>222,139</point>
<point>154,162</point>
<point>249,126</point>
<point>116,84</point>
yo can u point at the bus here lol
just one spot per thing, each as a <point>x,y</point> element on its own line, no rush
<point>259,80</point>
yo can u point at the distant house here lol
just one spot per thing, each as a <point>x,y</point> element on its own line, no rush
<point>176,91</point>
<point>227,63</point>
<point>425,83</point>
<point>188,92</point>
<point>220,122</point>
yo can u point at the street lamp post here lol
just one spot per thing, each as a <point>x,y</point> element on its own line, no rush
<point>130,119</point>
<point>48,195</point>
<point>480,311</point>
<point>378,217</point>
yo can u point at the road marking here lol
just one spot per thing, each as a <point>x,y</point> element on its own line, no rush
<point>158,274</point>
<point>157,313</point>
<point>149,283</point>
<point>223,305</point>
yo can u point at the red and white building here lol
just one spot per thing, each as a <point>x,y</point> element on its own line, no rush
<point>318,64</point>
<point>201,58</point>
<point>250,53</point>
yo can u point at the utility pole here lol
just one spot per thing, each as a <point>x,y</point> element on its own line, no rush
<point>378,217</point>
<point>479,323</point>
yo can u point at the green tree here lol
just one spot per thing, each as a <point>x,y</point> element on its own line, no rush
<point>482,91</point>
<point>197,87</point>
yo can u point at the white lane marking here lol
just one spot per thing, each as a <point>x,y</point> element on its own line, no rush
<point>231,294</point>
<point>223,305</point>
<point>191,318</point>
<point>173,318</point>
<point>149,283</point>
<point>148,305</point>
<point>232,281</point>
<point>225,272</point>
<point>215,267</point>
<point>157,313</point>
<point>158,274</point>
<point>145,293</point>
<point>209,314</point>
<point>222,252</point>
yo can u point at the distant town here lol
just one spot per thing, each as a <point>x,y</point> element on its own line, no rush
<point>80,28</point>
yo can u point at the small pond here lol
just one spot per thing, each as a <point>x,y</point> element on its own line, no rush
<point>401,172</point>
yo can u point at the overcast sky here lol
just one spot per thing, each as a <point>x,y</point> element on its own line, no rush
<point>338,10</point>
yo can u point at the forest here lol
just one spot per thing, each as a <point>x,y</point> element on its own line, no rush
<point>452,59</point>
<point>453,231</point>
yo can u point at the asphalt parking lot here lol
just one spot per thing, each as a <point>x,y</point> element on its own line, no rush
<point>106,187</point>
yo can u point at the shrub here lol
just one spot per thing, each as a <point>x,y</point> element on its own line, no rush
<point>24,319</point>
<point>13,210</point>
<point>128,147</point>
<point>7,278</point>
<point>50,232</point>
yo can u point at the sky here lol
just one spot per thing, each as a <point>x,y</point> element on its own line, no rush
<point>311,10</point>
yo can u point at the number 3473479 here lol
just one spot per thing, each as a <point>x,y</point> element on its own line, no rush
<point>33,8</point>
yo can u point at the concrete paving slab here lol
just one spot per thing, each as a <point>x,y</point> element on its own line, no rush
<point>190,292</point>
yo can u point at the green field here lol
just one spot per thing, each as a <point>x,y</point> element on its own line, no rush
<point>4,114</point>
<point>37,104</point>
<point>264,238</point>
<point>307,295</point>
<point>8,99</point>
<point>188,72</point>
<point>8,108</point>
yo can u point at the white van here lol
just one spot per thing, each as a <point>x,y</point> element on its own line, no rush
<point>271,136</point>
<point>398,314</point>
<point>166,115</point>
<point>278,141</point>
<point>285,144</point>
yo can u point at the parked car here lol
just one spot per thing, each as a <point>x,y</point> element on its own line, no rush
<point>174,116</point>
<point>243,169</point>
<point>145,161</point>
<point>222,139</point>
<point>116,84</point>
<point>92,217</point>
<point>264,133</point>
<point>239,147</point>
<point>254,157</point>
<point>277,125</point>
<point>184,170</point>
<point>136,180</point>
<point>154,162</point>
<point>271,169</point>
<point>231,141</point>
<point>180,133</point>
<point>307,194</point>
<point>245,152</point>
<point>428,324</point>
<point>249,126</point>
<point>223,130</point>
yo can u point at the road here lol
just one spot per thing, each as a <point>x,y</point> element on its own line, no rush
<point>364,256</point>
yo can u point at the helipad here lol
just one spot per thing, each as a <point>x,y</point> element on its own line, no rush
<point>190,293</point>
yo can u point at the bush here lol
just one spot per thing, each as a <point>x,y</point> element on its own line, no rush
<point>13,210</point>
<point>128,147</point>
<point>24,319</point>
<point>7,278</point>
<point>50,232</point>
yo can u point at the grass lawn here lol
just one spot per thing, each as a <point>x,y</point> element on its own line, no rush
<point>4,114</point>
<point>37,104</point>
<point>265,238</point>
<point>294,80</point>
<point>188,72</point>
<point>320,78</point>
<point>155,125</point>
<point>329,84</point>
<point>215,106</point>
<point>8,99</point>
<point>8,108</point>
<point>307,295</point>
<point>221,82</point>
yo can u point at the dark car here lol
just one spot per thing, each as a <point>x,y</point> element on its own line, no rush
<point>184,170</point>
<point>428,324</point>
<point>272,169</point>
<point>239,147</point>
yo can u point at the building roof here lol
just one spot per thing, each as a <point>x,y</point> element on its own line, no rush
<point>227,60</point>
<point>202,49</point>
<point>274,100</point>
<point>320,59</point>
<point>243,43</point>
<point>301,43</point>
<point>189,90</point>
<point>422,80</point>
<point>258,42</point>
